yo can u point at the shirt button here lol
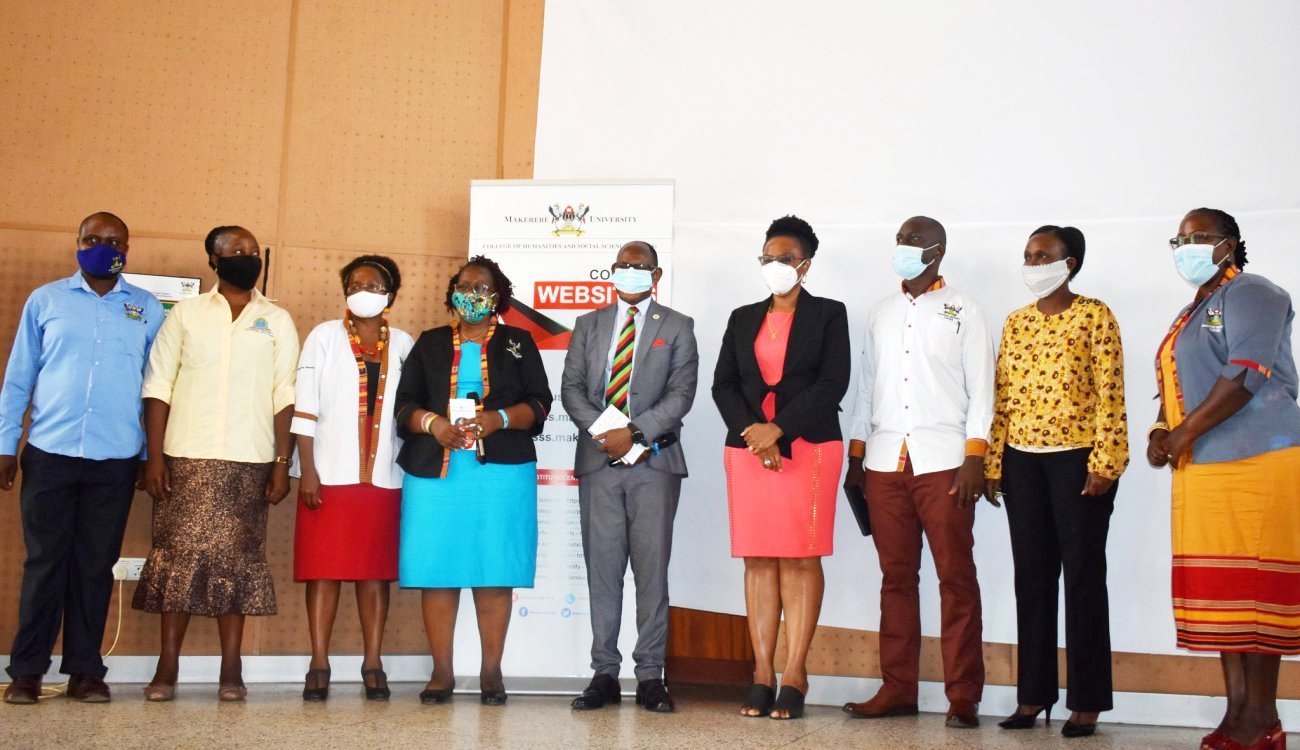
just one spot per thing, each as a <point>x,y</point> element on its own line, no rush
<point>96,363</point>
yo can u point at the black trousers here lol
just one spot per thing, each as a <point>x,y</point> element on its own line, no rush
<point>74,513</point>
<point>1053,526</point>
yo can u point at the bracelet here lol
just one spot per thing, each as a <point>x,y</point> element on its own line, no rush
<point>283,460</point>
<point>505,419</point>
<point>427,422</point>
<point>1157,426</point>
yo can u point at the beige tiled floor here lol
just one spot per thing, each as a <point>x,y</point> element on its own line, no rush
<point>275,716</point>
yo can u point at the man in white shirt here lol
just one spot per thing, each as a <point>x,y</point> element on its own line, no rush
<point>917,440</point>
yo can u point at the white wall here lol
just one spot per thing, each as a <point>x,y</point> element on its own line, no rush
<point>993,118</point>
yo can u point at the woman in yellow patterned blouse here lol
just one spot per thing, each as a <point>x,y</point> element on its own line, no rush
<point>1057,447</point>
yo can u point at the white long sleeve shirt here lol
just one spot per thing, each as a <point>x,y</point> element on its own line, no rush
<point>327,409</point>
<point>926,385</point>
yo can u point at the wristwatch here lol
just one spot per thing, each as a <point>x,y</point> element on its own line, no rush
<point>637,435</point>
<point>283,460</point>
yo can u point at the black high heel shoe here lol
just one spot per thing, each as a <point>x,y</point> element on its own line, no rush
<point>430,697</point>
<point>493,697</point>
<point>760,698</point>
<point>322,689</point>
<point>380,691</point>
<point>1072,729</point>
<point>1020,720</point>
<point>790,700</point>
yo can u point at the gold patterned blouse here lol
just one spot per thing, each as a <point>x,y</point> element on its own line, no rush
<point>1060,384</point>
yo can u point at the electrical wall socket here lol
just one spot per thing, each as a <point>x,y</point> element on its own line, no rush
<point>128,569</point>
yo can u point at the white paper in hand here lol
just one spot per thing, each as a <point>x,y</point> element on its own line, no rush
<point>613,419</point>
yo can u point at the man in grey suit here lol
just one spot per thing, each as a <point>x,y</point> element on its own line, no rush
<point>639,357</point>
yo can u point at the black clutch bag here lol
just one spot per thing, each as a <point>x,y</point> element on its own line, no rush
<point>858,504</point>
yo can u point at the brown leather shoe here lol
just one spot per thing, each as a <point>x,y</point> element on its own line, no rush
<point>963,715</point>
<point>24,690</point>
<point>88,689</point>
<point>882,705</point>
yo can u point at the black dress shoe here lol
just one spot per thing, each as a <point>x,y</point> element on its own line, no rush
<point>1072,729</point>
<point>322,690</point>
<point>653,696</point>
<point>380,691</point>
<point>430,697</point>
<point>602,689</point>
<point>492,697</point>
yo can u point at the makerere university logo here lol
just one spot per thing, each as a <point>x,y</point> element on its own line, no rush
<point>567,222</point>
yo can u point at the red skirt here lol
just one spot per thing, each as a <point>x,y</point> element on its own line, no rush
<point>790,513</point>
<point>352,536</point>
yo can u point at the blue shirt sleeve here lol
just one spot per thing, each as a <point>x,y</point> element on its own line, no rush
<point>1255,318</point>
<point>20,377</point>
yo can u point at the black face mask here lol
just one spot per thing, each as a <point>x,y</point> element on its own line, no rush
<point>240,271</point>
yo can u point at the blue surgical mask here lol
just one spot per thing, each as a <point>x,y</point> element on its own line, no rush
<point>907,261</point>
<point>1195,262</point>
<point>101,261</point>
<point>472,307</point>
<point>632,280</point>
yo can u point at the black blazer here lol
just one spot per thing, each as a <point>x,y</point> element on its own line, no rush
<point>516,375</point>
<point>815,378</point>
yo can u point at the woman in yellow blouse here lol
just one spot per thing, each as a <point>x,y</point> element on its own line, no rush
<point>218,402</point>
<point>1057,447</point>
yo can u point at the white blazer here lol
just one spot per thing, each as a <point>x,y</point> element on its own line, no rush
<point>326,407</point>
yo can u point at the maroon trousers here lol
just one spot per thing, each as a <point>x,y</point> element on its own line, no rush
<point>902,507</point>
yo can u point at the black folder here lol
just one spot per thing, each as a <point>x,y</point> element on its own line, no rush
<point>858,504</point>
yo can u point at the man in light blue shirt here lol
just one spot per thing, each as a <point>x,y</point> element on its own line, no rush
<point>78,361</point>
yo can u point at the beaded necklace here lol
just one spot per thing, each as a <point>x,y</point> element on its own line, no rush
<point>455,368</point>
<point>368,425</point>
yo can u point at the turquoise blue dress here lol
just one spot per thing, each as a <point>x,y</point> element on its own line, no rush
<point>478,525</point>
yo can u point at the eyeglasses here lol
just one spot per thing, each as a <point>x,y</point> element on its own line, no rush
<point>482,289</point>
<point>634,266</point>
<point>785,260</point>
<point>1195,238</point>
<point>372,288</point>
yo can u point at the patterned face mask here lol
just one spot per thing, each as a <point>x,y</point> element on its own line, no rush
<point>473,308</point>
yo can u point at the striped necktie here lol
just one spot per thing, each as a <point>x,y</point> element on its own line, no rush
<point>620,375</point>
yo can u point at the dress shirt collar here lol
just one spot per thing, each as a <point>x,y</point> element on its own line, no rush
<point>641,308</point>
<point>936,286</point>
<point>78,281</point>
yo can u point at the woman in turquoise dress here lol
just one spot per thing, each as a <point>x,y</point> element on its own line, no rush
<point>472,398</point>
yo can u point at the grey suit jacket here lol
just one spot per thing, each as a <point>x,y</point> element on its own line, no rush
<point>664,373</point>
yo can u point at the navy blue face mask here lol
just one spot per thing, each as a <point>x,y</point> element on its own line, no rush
<point>101,261</point>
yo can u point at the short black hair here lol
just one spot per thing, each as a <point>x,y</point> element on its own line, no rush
<point>1227,226</point>
<point>793,226</point>
<point>654,254</point>
<point>1071,238</point>
<point>505,290</point>
<point>386,267</point>
<point>210,242</point>
<point>104,215</point>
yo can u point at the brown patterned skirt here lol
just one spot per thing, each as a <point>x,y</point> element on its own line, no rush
<point>209,542</point>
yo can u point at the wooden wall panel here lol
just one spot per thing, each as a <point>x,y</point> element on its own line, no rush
<point>170,113</point>
<point>712,648</point>
<point>328,128</point>
<point>519,92</point>
<point>394,111</point>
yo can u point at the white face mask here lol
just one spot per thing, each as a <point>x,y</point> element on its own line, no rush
<point>367,304</point>
<point>1047,278</point>
<point>779,277</point>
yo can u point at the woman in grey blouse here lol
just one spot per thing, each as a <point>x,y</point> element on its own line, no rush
<point>1229,427</point>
